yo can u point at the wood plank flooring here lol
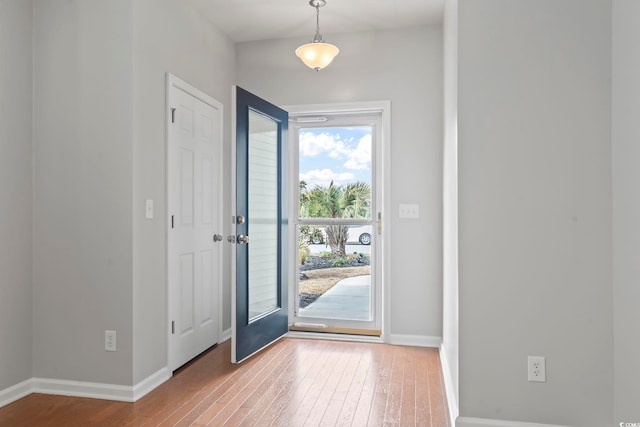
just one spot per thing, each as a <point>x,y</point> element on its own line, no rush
<point>295,382</point>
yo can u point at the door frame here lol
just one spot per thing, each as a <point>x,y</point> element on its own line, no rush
<point>174,82</point>
<point>384,165</point>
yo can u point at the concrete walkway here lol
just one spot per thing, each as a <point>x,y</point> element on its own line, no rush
<point>350,299</point>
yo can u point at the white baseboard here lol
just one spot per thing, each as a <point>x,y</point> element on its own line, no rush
<point>84,389</point>
<point>410,340</point>
<point>151,382</point>
<point>334,337</point>
<point>449,387</point>
<point>415,340</point>
<point>483,422</point>
<point>15,392</point>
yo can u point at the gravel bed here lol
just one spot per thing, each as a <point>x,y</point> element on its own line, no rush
<point>315,262</point>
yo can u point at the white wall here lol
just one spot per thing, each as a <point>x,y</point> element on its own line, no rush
<point>449,352</point>
<point>535,209</point>
<point>626,208</point>
<point>168,36</point>
<point>16,192</point>
<point>405,67</point>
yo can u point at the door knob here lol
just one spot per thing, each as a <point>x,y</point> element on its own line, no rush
<point>242,239</point>
<point>231,239</point>
<point>217,237</point>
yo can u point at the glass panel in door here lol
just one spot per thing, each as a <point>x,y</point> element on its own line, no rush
<point>337,227</point>
<point>263,214</point>
<point>335,287</point>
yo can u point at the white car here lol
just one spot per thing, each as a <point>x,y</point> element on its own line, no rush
<point>363,234</point>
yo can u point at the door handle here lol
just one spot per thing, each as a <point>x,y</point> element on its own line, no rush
<point>242,239</point>
<point>231,239</point>
<point>217,237</point>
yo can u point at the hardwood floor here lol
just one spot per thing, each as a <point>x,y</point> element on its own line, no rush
<point>295,382</point>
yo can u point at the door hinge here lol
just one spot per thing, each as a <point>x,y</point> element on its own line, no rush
<point>379,223</point>
<point>173,326</point>
<point>173,115</point>
<point>172,221</point>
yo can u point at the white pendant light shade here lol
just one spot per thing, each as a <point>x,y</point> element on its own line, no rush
<point>317,55</point>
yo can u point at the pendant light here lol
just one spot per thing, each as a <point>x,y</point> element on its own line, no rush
<point>317,54</point>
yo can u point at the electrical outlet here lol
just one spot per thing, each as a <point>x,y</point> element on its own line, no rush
<point>110,340</point>
<point>536,369</point>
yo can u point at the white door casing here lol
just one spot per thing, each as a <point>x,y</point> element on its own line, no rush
<point>194,163</point>
<point>378,115</point>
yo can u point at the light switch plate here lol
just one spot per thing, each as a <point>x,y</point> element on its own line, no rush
<point>149,209</point>
<point>411,211</point>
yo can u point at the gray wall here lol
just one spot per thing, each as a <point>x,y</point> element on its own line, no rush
<point>535,188</point>
<point>449,350</point>
<point>100,67</point>
<point>535,209</point>
<point>168,36</point>
<point>405,67</point>
<point>16,192</point>
<point>99,153</point>
<point>626,208</point>
<point>83,193</point>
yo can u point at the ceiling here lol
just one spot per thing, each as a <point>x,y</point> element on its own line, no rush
<point>250,20</point>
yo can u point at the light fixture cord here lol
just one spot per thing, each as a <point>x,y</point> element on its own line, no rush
<point>317,37</point>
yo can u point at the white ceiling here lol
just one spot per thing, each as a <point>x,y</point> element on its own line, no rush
<point>249,20</point>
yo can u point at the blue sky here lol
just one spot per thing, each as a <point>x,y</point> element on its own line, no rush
<point>341,154</point>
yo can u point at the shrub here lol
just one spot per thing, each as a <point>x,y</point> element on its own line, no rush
<point>303,253</point>
<point>339,262</point>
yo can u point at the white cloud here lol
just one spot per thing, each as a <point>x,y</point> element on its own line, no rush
<point>312,145</point>
<point>360,158</point>
<point>323,178</point>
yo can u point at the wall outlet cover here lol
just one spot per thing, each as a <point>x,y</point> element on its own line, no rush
<point>110,340</point>
<point>536,369</point>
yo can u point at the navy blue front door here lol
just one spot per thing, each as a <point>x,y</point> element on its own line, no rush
<point>260,314</point>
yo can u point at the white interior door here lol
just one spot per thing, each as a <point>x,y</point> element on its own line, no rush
<point>194,214</point>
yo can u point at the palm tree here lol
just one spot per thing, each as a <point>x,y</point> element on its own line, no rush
<point>304,198</point>
<point>336,201</point>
